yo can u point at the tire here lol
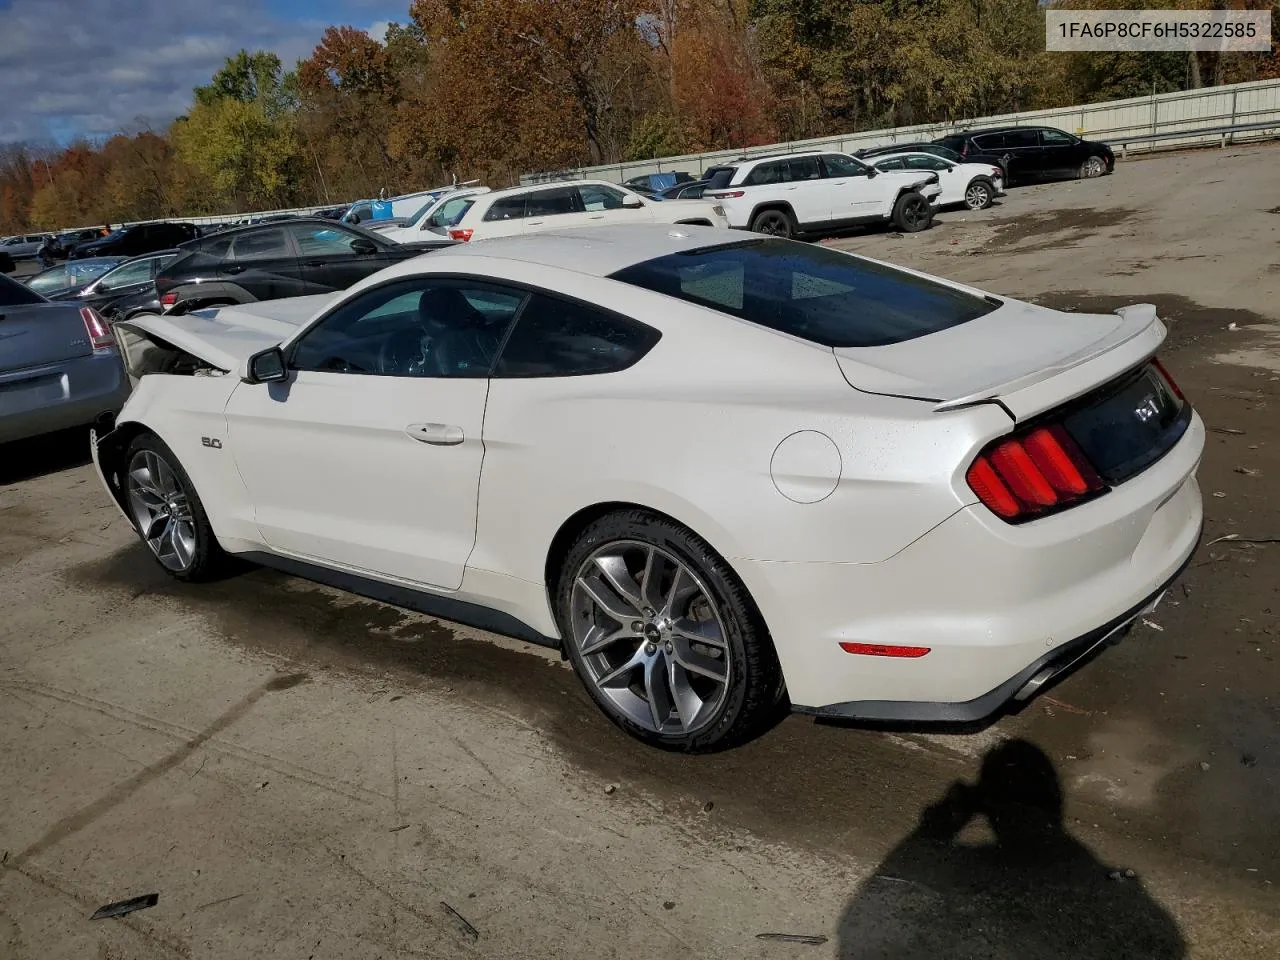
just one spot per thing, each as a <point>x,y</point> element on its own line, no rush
<point>1092,167</point>
<point>155,485</point>
<point>697,613</point>
<point>979,194</point>
<point>911,212</point>
<point>774,223</point>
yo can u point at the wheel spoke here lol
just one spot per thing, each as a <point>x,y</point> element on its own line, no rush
<point>183,538</point>
<point>601,637</point>
<point>652,580</point>
<point>614,570</point>
<point>608,605</point>
<point>144,484</point>
<point>699,631</point>
<point>699,663</point>
<point>635,660</point>
<point>687,703</point>
<point>683,587</point>
<point>156,524</point>
<point>657,692</point>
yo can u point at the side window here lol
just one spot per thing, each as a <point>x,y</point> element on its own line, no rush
<point>895,164</point>
<point>318,241</point>
<point>992,141</point>
<point>130,273</point>
<point>804,168</point>
<point>551,203</point>
<point>412,328</point>
<point>260,245</point>
<point>558,338</point>
<point>507,208</point>
<point>767,173</point>
<point>1021,138</point>
<point>927,163</point>
<point>450,212</point>
<point>595,197</point>
<point>216,249</point>
<point>840,166</point>
<point>1056,138</point>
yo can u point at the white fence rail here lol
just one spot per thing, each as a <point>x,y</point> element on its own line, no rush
<point>1125,124</point>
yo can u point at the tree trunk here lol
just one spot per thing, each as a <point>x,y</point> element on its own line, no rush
<point>1193,63</point>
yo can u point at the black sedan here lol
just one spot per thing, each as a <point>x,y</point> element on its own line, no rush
<point>126,290</point>
<point>137,240</point>
<point>293,258</point>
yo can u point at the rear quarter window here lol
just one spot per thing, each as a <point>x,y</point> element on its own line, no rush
<point>563,338</point>
<point>811,292</point>
<point>507,208</point>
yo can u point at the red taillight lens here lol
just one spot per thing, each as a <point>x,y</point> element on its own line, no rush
<point>1023,476</point>
<point>727,194</point>
<point>463,235</point>
<point>169,299</point>
<point>883,650</point>
<point>100,335</point>
<point>1177,390</point>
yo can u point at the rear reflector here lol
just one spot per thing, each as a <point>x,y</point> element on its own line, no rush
<point>463,235</point>
<point>880,650</point>
<point>100,335</point>
<point>1033,473</point>
<point>169,299</point>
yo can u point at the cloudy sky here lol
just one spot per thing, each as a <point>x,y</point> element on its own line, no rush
<point>92,67</point>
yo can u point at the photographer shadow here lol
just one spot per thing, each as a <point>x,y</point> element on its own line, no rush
<point>1028,891</point>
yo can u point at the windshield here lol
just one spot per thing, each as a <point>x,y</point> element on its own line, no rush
<point>14,294</point>
<point>820,295</point>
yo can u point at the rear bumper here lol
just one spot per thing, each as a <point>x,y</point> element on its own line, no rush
<point>995,604</point>
<point>73,393</point>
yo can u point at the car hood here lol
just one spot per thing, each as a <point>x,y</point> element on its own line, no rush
<point>1027,357</point>
<point>227,336</point>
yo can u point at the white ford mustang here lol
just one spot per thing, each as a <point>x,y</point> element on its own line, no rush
<point>720,473</point>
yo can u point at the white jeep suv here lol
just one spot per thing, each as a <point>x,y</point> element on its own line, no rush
<point>576,203</point>
<point>798,193</point>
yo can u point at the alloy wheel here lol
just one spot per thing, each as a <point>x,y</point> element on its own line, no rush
<point>913,211</point>
<point>161,510</point>
<point>977,196</point>
<point>1092,167</point>
<point>651,637</point>
<point>773,225</point>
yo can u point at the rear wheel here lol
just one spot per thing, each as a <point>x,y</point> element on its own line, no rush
<point>167,512</point>
<point>664,637</point>
<point>911,212</point>
<point>775,223</point>
<point>1092,167</point>
<point>979,194</point>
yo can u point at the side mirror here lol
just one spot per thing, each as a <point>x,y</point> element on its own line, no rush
<point>363,246</point>
<point>632,202</point>
<point>872,172</point>
<point>266,366</point>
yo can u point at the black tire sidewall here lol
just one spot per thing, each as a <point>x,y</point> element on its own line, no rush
<point>782,215</point>
<point>750,672</point>
<point>209,557</point>
<point>899,205</point>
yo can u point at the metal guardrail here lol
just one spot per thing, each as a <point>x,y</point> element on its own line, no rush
<point>1225,133</point>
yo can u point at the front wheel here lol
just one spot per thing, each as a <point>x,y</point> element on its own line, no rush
<point>774,223</point>
<point>979,195</point>
<point>1092,167</point>
<point>664,637</point>
<point>167,512</point>
<point>911,213</point>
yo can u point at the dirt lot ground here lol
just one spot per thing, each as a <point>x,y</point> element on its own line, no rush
<point>299,773</point>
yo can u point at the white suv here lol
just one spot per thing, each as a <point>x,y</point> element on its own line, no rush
<point>577,203</point>
<point>806,192</point>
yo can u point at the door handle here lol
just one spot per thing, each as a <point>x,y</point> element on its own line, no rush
<point>233,269</point>
<point>596,216</point>
<point>436,434</point>
<point>535,223</point>
<point>314,263</point>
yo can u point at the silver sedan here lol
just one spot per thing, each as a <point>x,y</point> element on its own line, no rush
<point>59,366</point>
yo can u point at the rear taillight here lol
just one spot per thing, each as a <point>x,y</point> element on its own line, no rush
<point>727,194</point>
<point>461,235</point>
<point>169,299</point>
<point>1030,474</point>
<point>1173,384</point>
<point>100,335</point>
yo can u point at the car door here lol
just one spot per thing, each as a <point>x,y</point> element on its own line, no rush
<point>854,193</point>
<point>261,262</point>
<point>952,182</point>
<point>123,281</point>
<point>1023,146</point>
<point>808,191</point>
<point>368,456</point>
<point>1060,152</point>
<point>333,258</point>
<point>554,209</point>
